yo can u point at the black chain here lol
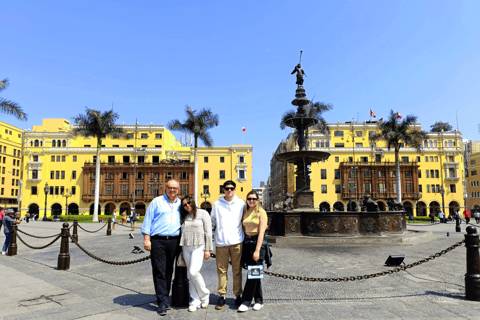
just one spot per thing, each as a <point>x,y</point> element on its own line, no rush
<point>367,276</point>
<point>54,240</point>
<point>92,231</point>
<point>117,263</point>
<point>39,237</point>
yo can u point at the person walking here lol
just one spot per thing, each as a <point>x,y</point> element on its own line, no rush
<point>467,216</point>
<point>7,228</point>
<point>114,218</point>
<point>196,242</point>
<point>27,216</point>
<point>227,214</point>
<point>161,236</point>
<point>255,249</point>
<point>441,216</point>
<point>477,216</point>
<point>432,217</point>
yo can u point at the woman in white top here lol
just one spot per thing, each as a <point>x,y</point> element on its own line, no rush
<point>114,218</point>
<point>196,242</point>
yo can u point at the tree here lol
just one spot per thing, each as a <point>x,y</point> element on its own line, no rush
<point>11,107</point>
<point>197,123</point>
<point>395,132</point>
<point>313,110</point>
<point>439,126</point>
<point>99,125</point>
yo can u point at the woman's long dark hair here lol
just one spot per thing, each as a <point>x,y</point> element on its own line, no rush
<point>184,213</point>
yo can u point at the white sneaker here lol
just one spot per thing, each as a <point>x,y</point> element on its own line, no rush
<point>243,307</point>
<point>192,308</point>
<point>205,305</point>
<point>4,253</point>
<point>257,306</point>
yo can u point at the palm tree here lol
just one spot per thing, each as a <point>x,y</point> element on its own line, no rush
<point>10,107</point>
<point>99,125</point>
<point>395,132</point>
<point>197,123</point>
<point>313,110</point>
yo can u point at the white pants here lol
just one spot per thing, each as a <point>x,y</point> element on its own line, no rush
<point>193,256</point>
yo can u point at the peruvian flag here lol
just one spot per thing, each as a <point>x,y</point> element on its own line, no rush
<point>399,116</point>
<point>372,114</point>
<point>243,129</point>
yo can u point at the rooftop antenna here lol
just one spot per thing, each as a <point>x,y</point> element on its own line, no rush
<point>456,114</point>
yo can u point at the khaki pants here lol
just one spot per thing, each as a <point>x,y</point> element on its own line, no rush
<point>223,254</point>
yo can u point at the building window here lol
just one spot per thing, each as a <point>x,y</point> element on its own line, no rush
<point>367,188</point>
<point>206,189</point>
<point>409,187</point>
<point>337,173</point>
<point>437,174</point>
<point>474,172</point>
<point>222,174</point>
<point>338,188</point>
<point>63,158</point>
<point>74,189</point>
<point>363,159</point>
<point>241,159</point>
<point>427,174</point>
<point>222,159</point>
<point>109,189</point>
<point>124,175</point>
<point>367,173</point>
<point>453,188</point>
<point>373,145</point>
<point>358,133</point>
<point>184,188</point>
<point>139,189</point>
<point>63,175</point>
<point>74,158</point>
<point>221,189</point>
<point>74,174</point>
<point>323,173</point>
<point>338,133</point>
<point>337,159</point>
<point>339,145</point>
<point>57,175</point>
<point>143,136</point>
<point>126,159</point>
<point>206,175</point>
<point>324,188</point>
<point>404,159</point>
<point>358,145</point>
<point>205,159</point>
<point>408,174</point>
<point>241,174</point>
<point>53,159</point>
<point>111,160</point>
<point>183,175</point>
<point>419,174</point>
<point>34,174</point>
<point>124,189</point>
<point>158,136</point>
<point>381,188</point>
<point>34,191</point>
<point>52,175</point>
<point>141,159</point>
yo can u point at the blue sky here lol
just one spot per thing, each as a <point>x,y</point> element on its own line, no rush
<point>152,58</point>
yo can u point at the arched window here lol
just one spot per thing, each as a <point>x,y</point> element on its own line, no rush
<point>450,143</point>
<point>41,143</point>
<point>425,144</point>
<point>64,143</point>
<point>31,143</point>
<point>317,144</point>
<point>36,143</point>
<point>59,143</point>
<point>327,144</point>
<point>430,143</point>
<point>434,143</point>
<point>323,144</point>
<point>54,143</point>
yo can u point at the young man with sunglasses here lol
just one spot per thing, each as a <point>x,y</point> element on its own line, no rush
<point>227,214</point>
<point>161,236</point>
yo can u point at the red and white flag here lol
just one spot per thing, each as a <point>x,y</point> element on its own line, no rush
<point>372,114</point>
<point>243,129</point>
<point>399,116</point>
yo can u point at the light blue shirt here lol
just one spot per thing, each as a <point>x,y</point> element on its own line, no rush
<point>162,217</point>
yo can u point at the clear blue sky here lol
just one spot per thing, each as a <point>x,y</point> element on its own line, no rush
<point>151,58</point>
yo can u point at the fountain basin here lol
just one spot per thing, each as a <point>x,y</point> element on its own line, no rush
<point>307,155</point>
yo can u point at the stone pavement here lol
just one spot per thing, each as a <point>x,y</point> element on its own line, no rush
<point>32,288</point>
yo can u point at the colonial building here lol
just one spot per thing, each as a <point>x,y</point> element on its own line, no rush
<point>59,169</point>
<point>431,180</point>
<point>472,175</point>
<point>10,166</point>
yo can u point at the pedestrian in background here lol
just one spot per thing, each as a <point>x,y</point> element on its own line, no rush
<point>7,228</point>
<point>432,217</point>
<point>477,216</point>
<point>196,242</point>
<point>466,214</point>
<point>2,214</point>
<point>27,216</point>
<point>114,218</point>
<point>441,216</point>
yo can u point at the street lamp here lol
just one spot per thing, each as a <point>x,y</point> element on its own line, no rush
<point>417,196</point>
<point>46,190</point>
<point>66,195</point>
<point>354,164</point>
<point>205,195</point>
<point>442,193</point>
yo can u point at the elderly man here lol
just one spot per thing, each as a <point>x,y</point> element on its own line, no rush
<point>227,218</point>
<point>161,236</point>
<point>7,228</point>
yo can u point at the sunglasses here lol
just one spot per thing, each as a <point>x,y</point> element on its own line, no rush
<point>229,188</point>
<point>252,199</point>
<point>185,204</point>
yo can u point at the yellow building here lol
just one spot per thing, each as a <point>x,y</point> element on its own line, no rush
<point>10,165</point>
<point>472,196</point>
<point>355,161</point>
<point>133,169</point>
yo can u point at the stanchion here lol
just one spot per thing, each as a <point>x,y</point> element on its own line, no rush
<point>180,287</point>
<point>109,227</point>
<point>12,246</point>
<point>64,255</point>
<point>75,231</point>
<point>457,224</point>
<point>472,277</point>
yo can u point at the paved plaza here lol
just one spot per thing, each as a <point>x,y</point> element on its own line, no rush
<point>32,288</point>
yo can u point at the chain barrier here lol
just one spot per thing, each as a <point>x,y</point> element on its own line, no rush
<point>38,237</point>
<point>91,231</point>
<point>367,276</point>
<point>31,247</point>
<point>116,263</point>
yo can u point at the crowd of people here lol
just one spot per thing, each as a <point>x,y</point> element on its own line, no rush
<point>174,225</point>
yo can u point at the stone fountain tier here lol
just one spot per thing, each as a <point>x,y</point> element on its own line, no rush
<point>336,224</point>
<point>301,122</point>
<point>307,155</point>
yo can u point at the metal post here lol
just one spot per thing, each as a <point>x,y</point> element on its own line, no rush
<point>75,231</point>
<point>46,190</point>
<point>180,287</point>
<point>64,255</point>
<point>109,227</point>
<point>457,224</point>
<point>12,245</point>
<point>472,277</point>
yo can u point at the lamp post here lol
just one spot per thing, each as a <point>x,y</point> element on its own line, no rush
<point>66,194</point>
<point>205,195</point>
<point>417,196</point>
<point>46,190</point>
<point>442,193</point>
<point>354,164</point>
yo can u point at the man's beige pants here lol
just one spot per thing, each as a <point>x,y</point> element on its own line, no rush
<point>223,255</point>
